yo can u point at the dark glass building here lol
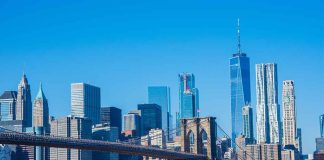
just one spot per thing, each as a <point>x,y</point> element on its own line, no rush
<point>111,116</point>
<point>160,95</point>
<point>151,117</point>
<point>8,106</point>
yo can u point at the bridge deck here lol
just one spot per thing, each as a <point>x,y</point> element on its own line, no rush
<point>94,145</point>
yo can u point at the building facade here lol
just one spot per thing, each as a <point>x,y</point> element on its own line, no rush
<point>240,87</point>
<point>85,101</point>
<point>188,99</point>
<point>268,113</point>
<point>150,117</point>
<point>74,127</point>
<point>160,95</point>
<point>103,132</point>
<point>132,123</point>
<point>8,106</point>
<point>24,108</point>
<point>41,111</point>
<point>247,122</point>
<point>111,116</point>
<point>263,151</point>
<point>289,113</point>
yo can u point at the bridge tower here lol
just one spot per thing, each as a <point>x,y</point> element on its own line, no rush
<point>198,136</point>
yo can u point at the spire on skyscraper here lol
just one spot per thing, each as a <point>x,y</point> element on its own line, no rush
<point>238,37</point>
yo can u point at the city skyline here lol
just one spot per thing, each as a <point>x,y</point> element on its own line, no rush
<point>263,41</point>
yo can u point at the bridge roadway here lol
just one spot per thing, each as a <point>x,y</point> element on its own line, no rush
<point>94,145</point>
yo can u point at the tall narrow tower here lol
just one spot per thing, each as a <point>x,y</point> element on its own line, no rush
<point>289,113</point>
<point>24,105</point>
<point>240,86</point>
<point>268,113</point>
<point>40,111</point>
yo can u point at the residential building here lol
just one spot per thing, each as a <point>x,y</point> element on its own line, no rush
<point>85,101</point>
<point>289,113</point>
<point>240,87</point>
<point>111,116</point>
<point>74,127</point>
<point>24,108</point>
<point>267,107</point>
<point>263,151</point>
<point>104,132</point>
<point>8,106</point>
<point>160,95</point>
<point>150,117</point>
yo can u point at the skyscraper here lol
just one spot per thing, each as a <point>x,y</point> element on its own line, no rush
<point>132,123</point>
<point>8,106</point>
<point>240,87</point>
<point>24,109</point>
<point>160,95</point>
<point>74,127</point>
<point>85,101</point>
<point>40,111</point>
<point>150,116</point>
<point>322,125</point>
<point>112,116</point>
<point>289,113</point>
<point>248,122</point>
<point>188,98</point>
<point>268,113</point>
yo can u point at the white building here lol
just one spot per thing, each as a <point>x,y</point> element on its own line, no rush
<point>267,107</point>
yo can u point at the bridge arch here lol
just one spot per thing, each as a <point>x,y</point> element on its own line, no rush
<point>198,136</point>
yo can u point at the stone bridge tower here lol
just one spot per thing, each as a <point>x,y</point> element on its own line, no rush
<point>198,135</point>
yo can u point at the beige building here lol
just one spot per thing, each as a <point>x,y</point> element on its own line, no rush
<point>263,152</point>
<point>71,127</point>
<point>40,111</point>
<point>289,113</point>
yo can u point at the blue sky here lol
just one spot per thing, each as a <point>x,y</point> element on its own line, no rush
<point>125,46</point>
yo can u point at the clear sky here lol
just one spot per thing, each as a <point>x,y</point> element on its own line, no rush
<point>125,46</point>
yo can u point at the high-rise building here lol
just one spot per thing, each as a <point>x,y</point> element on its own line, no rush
<point>40,111</point>
<point>132,123</point>
<point>24,108</point>
<point>188,98</point>
<point>85,101</point>
<point>150,117</point>
<point>240,87</point>
<point>103,132</point>
<point>8,106</point>
<point>247,122</point>
<point>299,141</point>
<point>268,113</point>
<point>111,116</point>
<point>74,127</point>
<point>322,125</point>
<point>289,113</point>
<point>263,151</point>
<point>160,95</point>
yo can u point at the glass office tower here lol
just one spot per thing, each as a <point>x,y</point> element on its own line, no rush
<point>240,90</point>
<point>240,86</point>
<point>160,95</point>
<point>85,101</point>
<point>188,98</point>
<point>8,106</point>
